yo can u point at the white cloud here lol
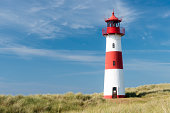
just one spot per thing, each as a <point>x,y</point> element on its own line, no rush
<point>146,35</point>
<point>140,71</point>
<point>78,26</point>
<point>166,14</point>
<point>36,25</point>
<point>154,67</point>
<point>166,43</point>
<point>147,51</point>
<point>8,16</point>
<point>44,29</point>
<point>65,24</point>
<point>152,26</point>
<point>11,47</point>
<point>4,41</point>
<point>34,19</point>
<point>126,12</point>
<point>37,7</point>
<point>49,18</point>
<point>80,7</point>
<point>56,3</point>
<point>83,73</point>
<point>122,10</point>
<point>70,55</point>
<point>148,66</point>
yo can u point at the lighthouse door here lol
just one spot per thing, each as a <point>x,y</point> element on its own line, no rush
<point>114,92</point>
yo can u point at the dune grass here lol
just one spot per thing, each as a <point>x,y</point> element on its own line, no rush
<point>143,99</point>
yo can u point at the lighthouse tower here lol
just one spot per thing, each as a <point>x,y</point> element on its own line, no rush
<point>113,80</point>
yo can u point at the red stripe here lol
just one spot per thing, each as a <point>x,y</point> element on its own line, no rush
<point>111,57</point>
<point>110,96</point>
<point>113,30</point>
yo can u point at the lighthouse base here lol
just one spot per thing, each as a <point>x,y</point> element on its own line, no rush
<point>110,96</point>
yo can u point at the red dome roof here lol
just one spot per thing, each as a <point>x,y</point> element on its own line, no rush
<point>113,18</point>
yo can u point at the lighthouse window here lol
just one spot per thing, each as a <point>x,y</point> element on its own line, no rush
<point>113,45</point>
<point>118,24</point>
<point>114,63</point>
<point>113,24</point>
<point>108,24</point>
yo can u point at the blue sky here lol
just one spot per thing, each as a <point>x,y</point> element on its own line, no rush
<point>56,46</point>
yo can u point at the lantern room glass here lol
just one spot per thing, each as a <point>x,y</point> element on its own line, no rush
<point>113,24</point>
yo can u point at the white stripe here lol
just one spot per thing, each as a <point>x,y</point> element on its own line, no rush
<point>113,38</point>
<point>114,78</point>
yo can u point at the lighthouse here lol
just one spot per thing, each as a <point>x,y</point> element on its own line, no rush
<point>113,78</point>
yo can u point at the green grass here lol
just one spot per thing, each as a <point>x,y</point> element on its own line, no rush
<point>143,99</point>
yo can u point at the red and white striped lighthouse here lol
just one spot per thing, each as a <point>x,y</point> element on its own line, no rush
<point>113,80</point>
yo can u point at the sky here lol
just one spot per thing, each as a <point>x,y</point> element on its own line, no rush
<point>56,46</point>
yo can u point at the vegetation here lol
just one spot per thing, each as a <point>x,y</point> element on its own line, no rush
<point>143,99</point>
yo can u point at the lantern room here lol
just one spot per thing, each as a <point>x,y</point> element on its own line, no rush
<point>113,26</point>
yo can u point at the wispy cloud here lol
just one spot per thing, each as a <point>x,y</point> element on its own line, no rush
<point>126,12</point>
<point>140,71</point>
<point>69,55</point>
<point>11,47</point>
<point>45,29</point>
<point>151,66</point>
<point>38,18</point>
<point>81,6</point>
<point>78,26</point>
<point>166,43</point>
<point>152,26</point>
<point>146,35</point>
<point>51,4</point>
<point>166,14</point>
<point>90,73</point>
<point>47,19</point>
<point>148,51</point>
<point>4,41</point>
